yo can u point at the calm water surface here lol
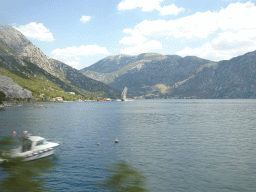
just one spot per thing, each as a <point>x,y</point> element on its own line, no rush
<point>178,145</point>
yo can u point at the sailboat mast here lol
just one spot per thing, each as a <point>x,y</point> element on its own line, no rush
<point>124,93</point>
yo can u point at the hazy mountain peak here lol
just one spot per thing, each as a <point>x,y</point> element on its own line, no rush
<point>14,39</point>
<point>117,62</point>
<point>112,57</point>
<point>149,54</point>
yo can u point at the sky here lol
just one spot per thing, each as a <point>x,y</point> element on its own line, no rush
<point>82,32</point>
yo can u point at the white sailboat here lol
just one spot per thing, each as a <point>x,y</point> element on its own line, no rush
<point>124,94</point>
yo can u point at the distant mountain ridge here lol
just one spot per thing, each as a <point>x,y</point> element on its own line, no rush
<point>111,67</point>
<point>146,74</point>
<point>150,75</point>
<point>116,62</point>
<point>154,75</point>
<point>172,76</point>
<point>20,57</point>
<point>234,78</point>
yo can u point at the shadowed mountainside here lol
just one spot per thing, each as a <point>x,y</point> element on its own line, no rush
<point>173,76</point>
<point>234,78</point>
<point>149,74</point>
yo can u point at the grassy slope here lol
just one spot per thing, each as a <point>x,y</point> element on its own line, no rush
<point>41,85</point>
<point>38,81</point>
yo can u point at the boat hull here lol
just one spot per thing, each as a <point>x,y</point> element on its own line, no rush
<point>33,155</point>
<point>38,155</point>
<point>128,100</point>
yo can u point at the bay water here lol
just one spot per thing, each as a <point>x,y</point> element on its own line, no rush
<point>177,145</point>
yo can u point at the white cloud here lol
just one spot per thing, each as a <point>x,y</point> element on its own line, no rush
<point>170,10</point>
<point>36,31</point>
<point>85,19</point>
<point>75,52</point>
<point>225,46</point>
<point>71,55</point>
<point>149,5</point>
<point>140,42</point>
<point>145,5</point>
<point>235,24</point>
<point>136,38</point>
<point>200,25</point>
<point>73,64</point>
<point>142,48</point>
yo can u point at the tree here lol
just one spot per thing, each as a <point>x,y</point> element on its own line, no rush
<point>2,97</point>
<point>122,177</point>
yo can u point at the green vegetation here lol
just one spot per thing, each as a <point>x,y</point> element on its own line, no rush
<point>123,178</point>
<point>39,82</point>
<point>5,144</point>
<point>4,48</point>
<point>2,97</point>
<point>37,86</point>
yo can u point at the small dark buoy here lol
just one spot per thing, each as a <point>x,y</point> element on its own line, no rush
<point>116,141</point>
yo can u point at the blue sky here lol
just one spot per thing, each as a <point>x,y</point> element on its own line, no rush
<point>81,32</point>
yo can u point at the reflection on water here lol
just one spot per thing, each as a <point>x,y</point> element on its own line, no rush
<point>122,177</point>
<point>6,143</point>
<point>21,176</point>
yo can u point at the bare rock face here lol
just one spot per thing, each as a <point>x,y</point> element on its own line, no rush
<point>20,44</point>
<point>12,89</point>
<point>14,39</point>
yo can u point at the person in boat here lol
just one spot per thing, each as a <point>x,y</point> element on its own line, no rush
<point>25,143</point>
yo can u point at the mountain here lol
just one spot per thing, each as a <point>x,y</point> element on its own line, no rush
<point>111,67</point>
<point>29,67</point>
<point>148,74</point>
<point>234,78</point>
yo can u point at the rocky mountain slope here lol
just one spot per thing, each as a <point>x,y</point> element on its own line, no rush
<point>149,74</point>
<point>109,68</point>
<point>174,76</point>
<point>159,77</point>
<point>234,78</point>
<point>13,90</point>
<point>27,64</point>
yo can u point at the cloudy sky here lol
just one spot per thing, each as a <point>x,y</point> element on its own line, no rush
<point>81,32</point>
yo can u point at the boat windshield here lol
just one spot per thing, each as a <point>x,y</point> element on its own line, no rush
<point>41,142</point>
<point>26,145</point>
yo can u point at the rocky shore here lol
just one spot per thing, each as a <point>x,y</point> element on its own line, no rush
<point>13,90</point>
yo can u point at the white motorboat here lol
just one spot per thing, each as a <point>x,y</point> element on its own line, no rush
<point>33,147</point>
